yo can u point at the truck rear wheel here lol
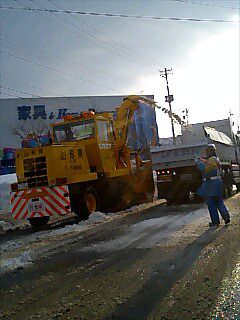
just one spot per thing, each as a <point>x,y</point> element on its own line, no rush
<point>38,222</point>
<point>180,197</point>
<point>230,191</point>
<point>197,198</point>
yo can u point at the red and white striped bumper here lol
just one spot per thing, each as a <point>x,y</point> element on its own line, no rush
<point>40,202</point>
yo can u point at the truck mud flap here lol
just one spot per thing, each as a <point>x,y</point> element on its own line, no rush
<point>40,202</point>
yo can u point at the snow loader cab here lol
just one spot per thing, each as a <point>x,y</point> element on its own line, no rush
<point>88,167</point>
<point>78,130</point>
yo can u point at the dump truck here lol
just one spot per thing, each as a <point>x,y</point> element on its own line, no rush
<point>177,174</point>
<point>87,167</point>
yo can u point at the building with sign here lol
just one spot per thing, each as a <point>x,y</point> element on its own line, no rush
<point>18,111</point>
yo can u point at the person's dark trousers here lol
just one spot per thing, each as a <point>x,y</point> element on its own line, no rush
<point>216,204</point>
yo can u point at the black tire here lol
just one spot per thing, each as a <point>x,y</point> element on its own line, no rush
<point>225,193</point>
<point>238,187</point>
<point>177,197</point>
<point>86,204</point>
<point>197,198</point>
<point>38,222</point>
<point>230,191</point>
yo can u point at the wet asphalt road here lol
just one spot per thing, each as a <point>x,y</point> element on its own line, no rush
<point>119,270</point>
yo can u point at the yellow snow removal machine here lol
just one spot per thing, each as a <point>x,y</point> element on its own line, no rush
<point>87,167</point>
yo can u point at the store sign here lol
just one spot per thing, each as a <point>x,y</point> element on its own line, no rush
<point>39,112</point>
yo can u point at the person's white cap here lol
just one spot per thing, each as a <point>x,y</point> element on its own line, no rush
<point>211,145</point>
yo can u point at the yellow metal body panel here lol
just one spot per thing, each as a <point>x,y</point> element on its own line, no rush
<point>62,161</point>
<point>117,173</point>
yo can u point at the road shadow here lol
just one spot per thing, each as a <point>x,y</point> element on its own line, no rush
<point>164,274</point>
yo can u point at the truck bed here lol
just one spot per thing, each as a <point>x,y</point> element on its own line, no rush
<point>183,155</point>
<point>176,156</point>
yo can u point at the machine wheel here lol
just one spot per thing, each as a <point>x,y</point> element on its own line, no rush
<point>87,204</point>
<point>197,198</point>
<point>126,198</point>
<point>230,191</point>
<point>38,222</point>
<point>225,193</point>
<point>238,187</point>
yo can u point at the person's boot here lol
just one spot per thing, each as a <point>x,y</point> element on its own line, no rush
<point>211,224</point>
<point>227,221</point>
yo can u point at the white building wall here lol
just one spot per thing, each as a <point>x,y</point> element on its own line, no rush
<point>15,111</point>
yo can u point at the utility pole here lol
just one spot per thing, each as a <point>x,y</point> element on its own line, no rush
<point>234,139</point>
<point>185,115</point>
<point>169,99</point>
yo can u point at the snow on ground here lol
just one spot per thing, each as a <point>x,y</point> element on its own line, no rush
<point>46,235</point>
<point>44,242</point>
<point>153,232</point>
<point>8,178</point>
<point>5,181</point>
<point>23,260</point>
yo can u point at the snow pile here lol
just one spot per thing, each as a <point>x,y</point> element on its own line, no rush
<point>95,217</point>
<point>5,181</point>
<point>23,260</point>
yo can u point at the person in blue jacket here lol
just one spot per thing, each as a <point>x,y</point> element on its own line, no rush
<point>212,186</point>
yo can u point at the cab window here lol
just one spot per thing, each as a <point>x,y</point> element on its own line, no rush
<point>74,131</point>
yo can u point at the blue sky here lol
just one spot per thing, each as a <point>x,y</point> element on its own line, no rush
<point>121,56</point>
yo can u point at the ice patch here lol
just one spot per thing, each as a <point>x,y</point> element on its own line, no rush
<point>151,223</point>
<point>166,234</point>
<point>148,233</point>
<point>134,233</point>
<point>5,181</point>
<point>11,264</point>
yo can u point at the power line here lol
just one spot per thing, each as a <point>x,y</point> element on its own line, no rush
<point>23,46</point>
<point>205,4</point>
<point>122,47</point>
<point>55,70</point>
<point>66,62</point>
<point>116,15</point>
<point>109,47</point>
<point>22,83</point>
<point>19,91</point>
<point>8,95</point>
